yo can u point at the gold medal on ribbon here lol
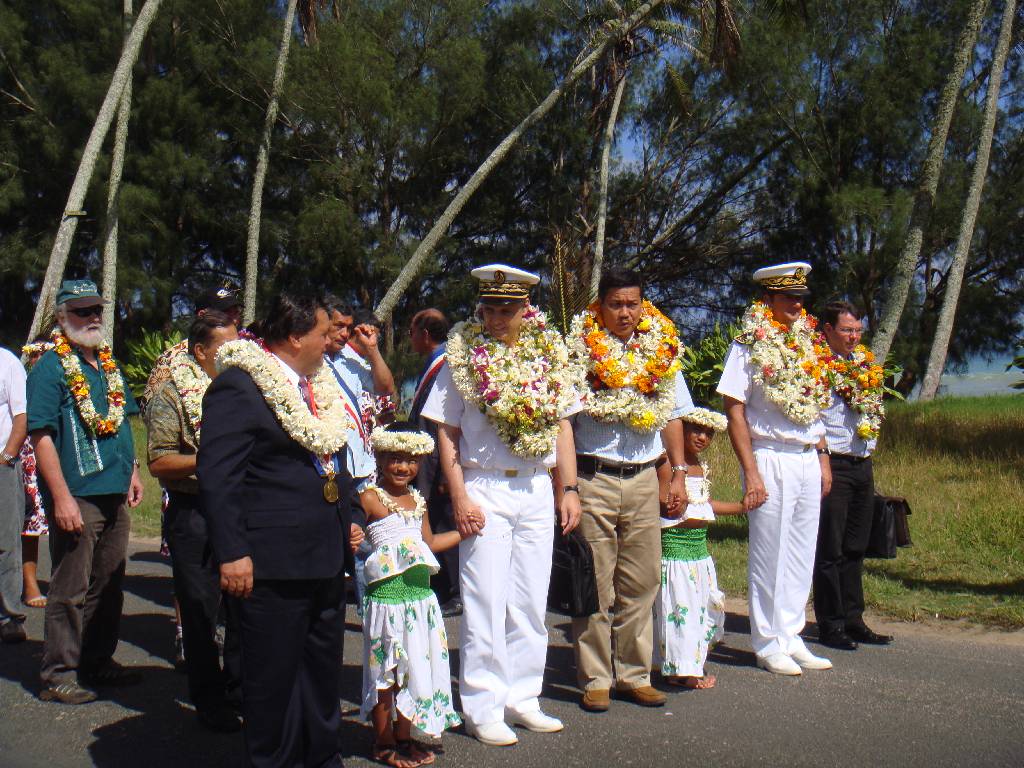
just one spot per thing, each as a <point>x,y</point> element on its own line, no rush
<point>331,490</point>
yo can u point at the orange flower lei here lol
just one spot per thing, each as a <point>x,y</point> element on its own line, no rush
<point>859,381</point>
<point>78,385</point>
<point>631,383</point>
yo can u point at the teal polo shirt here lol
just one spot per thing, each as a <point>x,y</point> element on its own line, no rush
<point>92,466</point>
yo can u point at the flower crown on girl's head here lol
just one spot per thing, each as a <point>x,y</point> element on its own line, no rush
<point>705,417</point>
<point>416,443</point>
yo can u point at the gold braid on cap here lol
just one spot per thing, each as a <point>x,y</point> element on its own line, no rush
<point>783,282</point>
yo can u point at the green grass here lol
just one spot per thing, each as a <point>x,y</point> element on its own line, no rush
<point>960,464</point>
<point>145,517</point>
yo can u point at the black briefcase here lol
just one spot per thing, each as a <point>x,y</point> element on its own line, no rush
<point>889,527</point>
<point>573,589</point>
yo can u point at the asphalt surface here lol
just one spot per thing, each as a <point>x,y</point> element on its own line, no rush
<point>939,696</point>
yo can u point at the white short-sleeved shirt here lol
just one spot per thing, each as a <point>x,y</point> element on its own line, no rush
<point>841,429</point>
<point>619,442</point>
<point>764,419</point>
<point>479,445</point>
<point>12,393</point>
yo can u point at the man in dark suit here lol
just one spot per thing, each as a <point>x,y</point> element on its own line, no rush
<point>280,536</point>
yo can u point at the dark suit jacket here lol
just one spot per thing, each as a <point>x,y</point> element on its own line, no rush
<point>261,493</point>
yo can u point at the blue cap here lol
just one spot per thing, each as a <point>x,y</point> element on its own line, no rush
<point>72,290</point>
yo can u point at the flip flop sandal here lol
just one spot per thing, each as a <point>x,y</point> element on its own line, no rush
<point>392,755</point>
<point>410,746</point>
<point>36,602</point>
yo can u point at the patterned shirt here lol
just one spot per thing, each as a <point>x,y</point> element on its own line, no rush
<point>170,432</point>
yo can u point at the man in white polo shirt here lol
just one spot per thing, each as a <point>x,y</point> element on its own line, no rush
<point>502,402</point>
<point>13,426</point>
<point>775,386</point>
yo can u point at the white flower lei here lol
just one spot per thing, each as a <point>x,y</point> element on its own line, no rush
<point>415,443</point>
<point>522,389</point>
<point>323,434</point>
<point>618,372</point>
<point>393,506</point>
<point>705,417</point>
<point>792,366</point>
<point>191,382</point>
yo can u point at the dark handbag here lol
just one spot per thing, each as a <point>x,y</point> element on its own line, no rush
<point>573,589</point>
<point>889,527</point>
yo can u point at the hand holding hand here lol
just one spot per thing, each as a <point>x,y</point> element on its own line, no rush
<point>756,494</point>
<point>469,517</point>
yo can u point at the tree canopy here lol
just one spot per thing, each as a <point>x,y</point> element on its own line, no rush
<point>806,146</point>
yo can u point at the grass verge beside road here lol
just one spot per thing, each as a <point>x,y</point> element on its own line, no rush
<point>960,464</point>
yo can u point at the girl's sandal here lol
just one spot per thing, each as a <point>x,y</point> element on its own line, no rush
<point>416,751</point>
<point>39,601</point>
<point>393,755</point>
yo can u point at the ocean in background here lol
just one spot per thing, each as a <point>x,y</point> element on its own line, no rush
<point>982,378</point>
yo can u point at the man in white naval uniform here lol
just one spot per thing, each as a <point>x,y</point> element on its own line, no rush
<point>785,474</point>
<point>507,501</point>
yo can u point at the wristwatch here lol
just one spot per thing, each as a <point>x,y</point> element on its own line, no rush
<point>823,451</point>
<point>571,489</point>
<point>679,468</point>
<point>7,458</point>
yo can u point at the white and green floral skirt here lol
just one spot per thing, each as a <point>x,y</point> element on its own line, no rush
<point>689,614</point>
<point>404,642</point>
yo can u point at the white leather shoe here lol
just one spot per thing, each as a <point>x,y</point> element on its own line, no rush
<point>535,721</point>
<point>492,734</point>
<point>779,664</point>
<point>808,660</point>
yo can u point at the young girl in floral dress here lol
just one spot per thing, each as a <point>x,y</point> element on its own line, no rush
<point>689,614</point>
<point>406,677</point>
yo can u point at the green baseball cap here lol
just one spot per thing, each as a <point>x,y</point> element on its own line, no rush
<point>75,290</point>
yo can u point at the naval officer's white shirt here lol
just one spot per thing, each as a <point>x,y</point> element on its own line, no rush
<point>479,445</point>
<point>764,419</point>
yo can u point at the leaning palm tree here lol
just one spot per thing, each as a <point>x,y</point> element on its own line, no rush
<point>114,192</point>
<point>955,277</point>
<point>76,198</point>
<point>613,32</point>
<point>252,247</point>
<point>924,198</point>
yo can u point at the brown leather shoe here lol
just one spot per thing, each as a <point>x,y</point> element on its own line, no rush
<point>644,695</point>
<point>595,700</point>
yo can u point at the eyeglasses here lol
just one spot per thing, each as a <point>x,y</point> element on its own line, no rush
<point>85,312</point>
<point>850,331</point>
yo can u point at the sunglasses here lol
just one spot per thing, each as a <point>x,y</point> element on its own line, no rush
<point>84,312</point>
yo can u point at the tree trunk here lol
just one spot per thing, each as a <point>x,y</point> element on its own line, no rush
<point>955,278</point>
<point>76,198</point>
<point>427,245</point>
<point>924,198</point>
<point>252,247</point>
<point>602,194</point>
<point>114,193</point>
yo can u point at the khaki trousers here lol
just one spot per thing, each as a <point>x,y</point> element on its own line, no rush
<point>620,520</point>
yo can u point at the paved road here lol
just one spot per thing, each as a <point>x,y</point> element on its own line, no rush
<point>935,698</point>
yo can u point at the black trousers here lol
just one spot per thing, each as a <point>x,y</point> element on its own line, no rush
<point>442,518</point>
<point>291,671</point>
<point>842,538</point>
<point>197,588</point>
<point>83,607</point>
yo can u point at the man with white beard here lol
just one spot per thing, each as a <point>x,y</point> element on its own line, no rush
<point>78,406</point>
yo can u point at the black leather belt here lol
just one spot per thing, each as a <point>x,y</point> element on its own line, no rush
<point>589,465</point>
<point>851,459</point>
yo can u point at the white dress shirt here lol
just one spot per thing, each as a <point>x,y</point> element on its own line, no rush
<point>841,429</point>
<point>618,442</point>
<point>764,419</point>
<point>479,446</point>
<point>12,393</point>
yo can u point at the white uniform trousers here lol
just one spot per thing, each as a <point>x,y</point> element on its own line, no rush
<point>783,536</point>
<point>503,577</point>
